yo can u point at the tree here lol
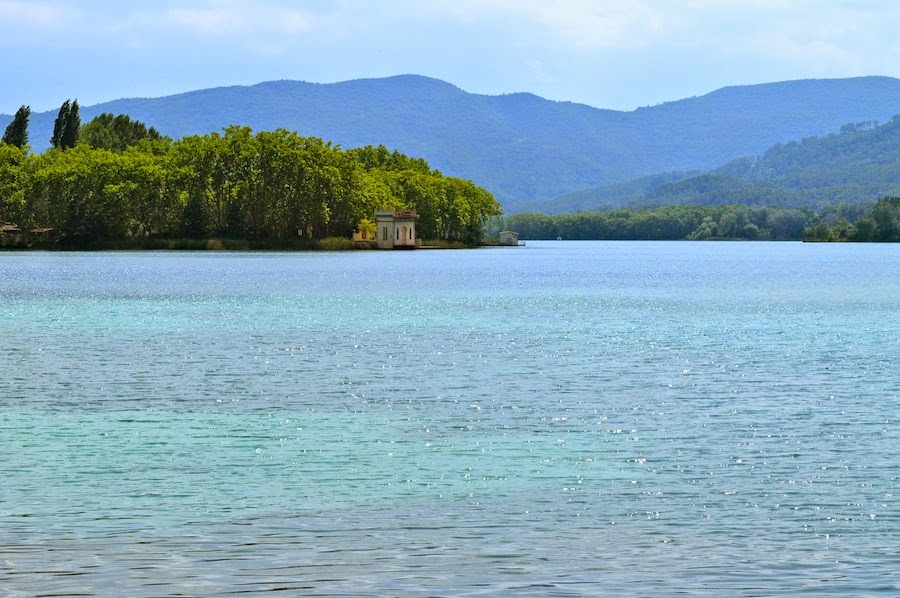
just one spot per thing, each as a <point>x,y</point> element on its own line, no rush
<point>12,196</point>
<point>115,132</point>
<point>367,228</point>
<point>270,186</point>
<point>17,131</point>
<point>66,126</point>
<point>886,215</point>
<point>60,123</point>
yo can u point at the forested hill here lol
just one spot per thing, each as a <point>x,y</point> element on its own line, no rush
<point>519,146</point>
<point>859,164</point>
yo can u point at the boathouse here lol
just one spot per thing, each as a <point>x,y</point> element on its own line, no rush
<point>395,229</point>
<point>509,237</point>
<point>10,234</point>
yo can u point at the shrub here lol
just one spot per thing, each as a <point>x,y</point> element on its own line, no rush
<point>335,244</point>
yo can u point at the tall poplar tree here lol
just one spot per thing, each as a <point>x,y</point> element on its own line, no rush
<point>66,125</point>
<point>59,124</point>
<point>17,131</point>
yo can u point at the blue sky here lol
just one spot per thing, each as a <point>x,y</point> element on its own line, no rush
<point>616,54</point>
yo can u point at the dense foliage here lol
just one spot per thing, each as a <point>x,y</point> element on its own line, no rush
<point>16,132</point>
<point>665,223</point>
<point>115,132</point>
<point>271,186</point>
<point>879,224</point>
<point>878,221</point>
<point>66,126</point>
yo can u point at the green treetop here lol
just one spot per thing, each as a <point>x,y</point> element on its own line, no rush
<point>115,132</point>
<point>17,132</point>
<point>66,126</point>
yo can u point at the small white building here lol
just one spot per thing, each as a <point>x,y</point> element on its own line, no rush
<point>395,229</point>
<point>509,237</point>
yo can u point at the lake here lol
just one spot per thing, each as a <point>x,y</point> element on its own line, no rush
<point>566,418</point>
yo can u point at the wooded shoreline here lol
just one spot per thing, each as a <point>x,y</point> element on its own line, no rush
<point>272,188</point>
<point>114,184</point>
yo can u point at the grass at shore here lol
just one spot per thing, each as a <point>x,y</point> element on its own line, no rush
<point>220,244</point>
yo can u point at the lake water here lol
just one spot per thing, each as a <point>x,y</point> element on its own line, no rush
<point>560,419</point>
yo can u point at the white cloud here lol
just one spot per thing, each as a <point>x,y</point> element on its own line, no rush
<point>536,67</point>
<point>253,20</point>
<point>597,25</point>
<point>609,53</point>
<point>569,23</point>
<point>206,21</point>
<point>30,13</point>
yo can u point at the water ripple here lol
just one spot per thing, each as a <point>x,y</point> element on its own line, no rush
<point>573,419</point>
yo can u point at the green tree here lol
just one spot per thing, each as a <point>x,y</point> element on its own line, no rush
<point>17,131</point>
<point>141,185</point>
<point>886,215</point>
<point>115,132</point>
<point>59,124</point>
<point>194,218</point>
<point>270,185</point>
<point>66,126</point>
<point>12,195</point>
<point>367,228</point>
<point>865,230</point>
<point>69,192</point>
<point>533,225</point>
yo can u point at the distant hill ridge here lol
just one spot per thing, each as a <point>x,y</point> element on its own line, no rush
<point>519,146</point>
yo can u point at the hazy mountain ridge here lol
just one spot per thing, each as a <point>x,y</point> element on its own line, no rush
<point>861,163</point>
<point>519,146</point>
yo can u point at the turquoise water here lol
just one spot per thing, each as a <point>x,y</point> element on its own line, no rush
<point>560,419</point>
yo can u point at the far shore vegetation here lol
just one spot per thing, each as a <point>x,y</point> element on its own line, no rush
<point>863,222</point>
<point>114,183</point>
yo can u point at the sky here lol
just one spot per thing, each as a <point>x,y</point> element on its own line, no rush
<point>617,54</point>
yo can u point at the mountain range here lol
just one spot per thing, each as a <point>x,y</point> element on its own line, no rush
<point>532,153</point>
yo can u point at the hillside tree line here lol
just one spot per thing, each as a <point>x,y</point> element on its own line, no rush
<point>666,223</point>
<point>862,222</point>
